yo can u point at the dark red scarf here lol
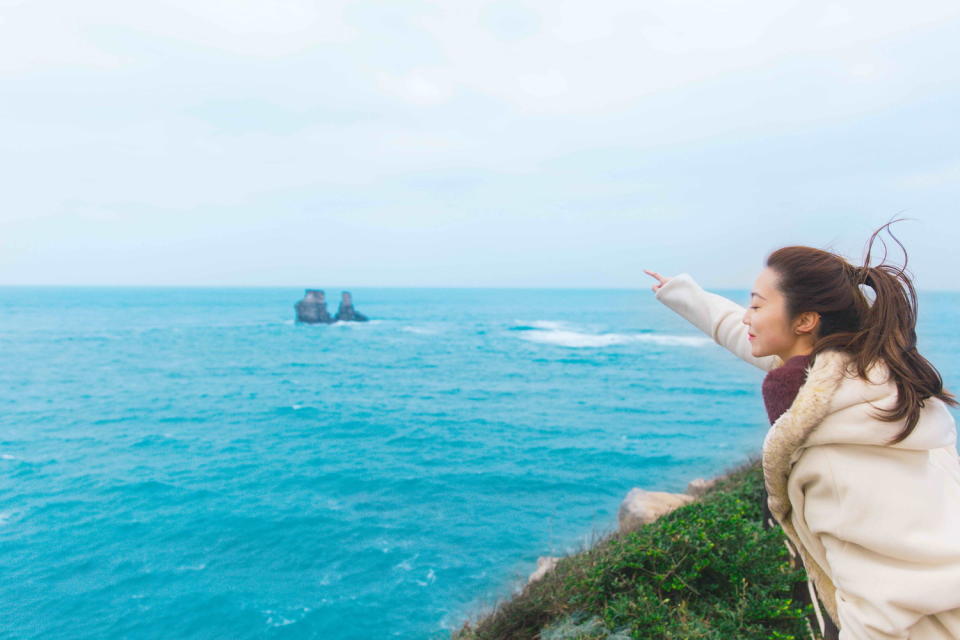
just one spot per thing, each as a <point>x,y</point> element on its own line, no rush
<point>781,385</point>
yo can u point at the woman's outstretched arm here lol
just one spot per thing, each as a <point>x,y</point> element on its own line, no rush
<point>718,317</point>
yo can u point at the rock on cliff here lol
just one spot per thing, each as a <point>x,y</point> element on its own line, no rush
<point>642,507</point>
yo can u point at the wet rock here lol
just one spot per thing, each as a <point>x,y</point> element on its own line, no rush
<point>312,309</point>
<point>346,312</point>
<point>642,507</point>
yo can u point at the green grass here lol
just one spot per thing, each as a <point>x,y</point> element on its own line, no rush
<point>706,570</point>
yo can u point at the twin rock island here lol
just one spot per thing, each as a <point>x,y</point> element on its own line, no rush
<point>312,309</point>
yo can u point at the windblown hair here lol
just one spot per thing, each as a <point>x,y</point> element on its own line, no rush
<point>822,281</point>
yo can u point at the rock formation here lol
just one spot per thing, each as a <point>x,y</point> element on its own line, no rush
<point>642,507</point>
<point>313,308</point>
<point>544,564</point>
<point>346,312</point>
<point>698,486</point>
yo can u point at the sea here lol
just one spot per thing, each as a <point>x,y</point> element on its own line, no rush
<point>191,463</point>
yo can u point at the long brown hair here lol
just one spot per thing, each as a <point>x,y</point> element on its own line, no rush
<point>822,281</point>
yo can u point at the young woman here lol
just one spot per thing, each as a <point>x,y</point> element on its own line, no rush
<point>860,463</point>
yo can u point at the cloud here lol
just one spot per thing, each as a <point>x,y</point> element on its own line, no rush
<point>479,120</point>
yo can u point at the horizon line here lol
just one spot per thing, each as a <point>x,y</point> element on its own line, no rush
<point>360,287</point>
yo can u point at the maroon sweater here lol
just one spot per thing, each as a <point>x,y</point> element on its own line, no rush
<point>780,386</point>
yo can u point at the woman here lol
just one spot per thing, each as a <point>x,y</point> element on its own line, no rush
<point>860,464</point>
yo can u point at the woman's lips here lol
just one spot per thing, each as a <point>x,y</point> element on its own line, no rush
<point>750,336</point>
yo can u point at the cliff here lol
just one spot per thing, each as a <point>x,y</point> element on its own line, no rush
<point>703,568</point>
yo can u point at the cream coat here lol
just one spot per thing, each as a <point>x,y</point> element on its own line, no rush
<point>877,526</point>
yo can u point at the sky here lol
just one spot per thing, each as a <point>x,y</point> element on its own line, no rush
<point>471,144</point>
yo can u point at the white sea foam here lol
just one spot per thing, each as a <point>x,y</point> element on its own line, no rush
<point>354,325</point>
<point>564,335</point>
<point>405,564</point>
<point>277,619</point>
<point>549,325</point>
<point>329,578</point>
<point>7,456</point>
<point>431,577</point>
<point>420,330</point>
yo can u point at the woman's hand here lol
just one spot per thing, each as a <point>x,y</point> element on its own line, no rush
<point>661,280</point>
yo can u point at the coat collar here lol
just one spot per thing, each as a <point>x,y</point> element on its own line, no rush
<point>792,429</point>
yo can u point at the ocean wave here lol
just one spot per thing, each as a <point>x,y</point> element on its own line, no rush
<point>405,564</point>
<point>276,618</point>
<point>566,335</point>
<point>420,330</point>
<point>350,324</point>
<point>546,325</point>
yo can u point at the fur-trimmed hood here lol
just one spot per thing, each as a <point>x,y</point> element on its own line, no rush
<point>835,406</point>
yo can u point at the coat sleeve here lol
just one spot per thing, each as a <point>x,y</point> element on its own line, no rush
<point>718,317</point>
<point>890,532</point>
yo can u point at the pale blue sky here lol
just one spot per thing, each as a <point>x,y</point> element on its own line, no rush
<point>406,143</point>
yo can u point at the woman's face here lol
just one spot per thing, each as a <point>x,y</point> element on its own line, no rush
<point>771,332</point>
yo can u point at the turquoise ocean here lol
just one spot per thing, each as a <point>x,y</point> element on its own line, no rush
<point>190,463</point>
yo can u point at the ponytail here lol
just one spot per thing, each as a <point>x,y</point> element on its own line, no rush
<point>879,330</point>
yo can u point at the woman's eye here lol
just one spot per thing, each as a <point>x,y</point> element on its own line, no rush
<point>754,307</point>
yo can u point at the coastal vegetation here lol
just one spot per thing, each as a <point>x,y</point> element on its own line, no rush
<point>705,570</point>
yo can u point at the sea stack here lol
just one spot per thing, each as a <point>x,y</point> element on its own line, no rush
<point>313,308</point>
<point>346,312</point>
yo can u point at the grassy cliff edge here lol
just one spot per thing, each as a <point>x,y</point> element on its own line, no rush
<point>705,570</point>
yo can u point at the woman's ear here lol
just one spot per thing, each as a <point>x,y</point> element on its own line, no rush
<point>807,322</point>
